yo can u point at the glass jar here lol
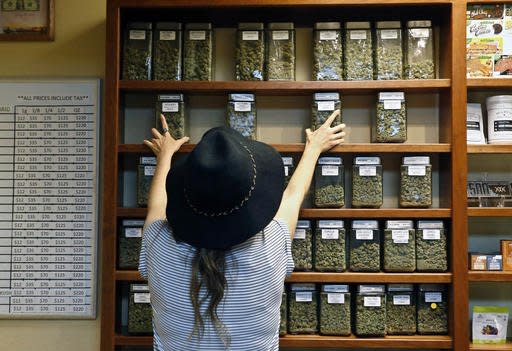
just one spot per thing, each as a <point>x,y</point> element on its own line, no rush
<point>139,310</point>
<point>302,246</point>
<point>283,325</point>
<point>280,59</point>
<point>129,243</point>
<point>431,247</point>
<point>324,104</point>
<point>329,183</point>
<point>172,106</point>
<point>327,51</point>
<point>390,119</point>
<point>137,51</point>
<point>388,52</point>
<point>367,182</point>
<point>399,246</point>
<point>330,249</point>
<point>302,309</point>
<point>371,310</point>
<point>358,51</point>
<point>288,169</point>
<point>250,51</point>
<point>335,310</point>
<point>400,310</point>
<point>419,54</point>
<point>364,246</point>
<point>145,173</point>
<point>416,182</point>
<point>432,309</point>
<point>167,48</point>
<point>242,114</point>
<point>198,52</point>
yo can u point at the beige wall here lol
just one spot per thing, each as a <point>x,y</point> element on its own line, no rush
<point>78,50</point>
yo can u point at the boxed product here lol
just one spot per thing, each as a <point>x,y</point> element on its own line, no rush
<point>145,172</point>
<point>490,324</point>
<point>302,309</point>
<point>335,310</point>
<point>302,246</point>
<point>506,252</point>
<point>474,124</point>
<point>494,262</point>
<point>478,262</point>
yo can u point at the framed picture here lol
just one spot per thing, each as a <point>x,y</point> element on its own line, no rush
<point>27,20</point>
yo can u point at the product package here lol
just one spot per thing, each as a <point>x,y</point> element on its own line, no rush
<point>327,51</point>
<point>358,57</point>
<point>365,246</point>
<point>419,52</point>
<point>241,114</point>
<point>367,182</point>
<point>324,104</point>
<point>145,173</point>
<point>283,325</point>
<point>335,310</point>
<point>431,246</point>
<point>280,59</point>
<point>478,262</point>
<point>399,246</point>
<point>490,324</point>
<point>416,182</point>
<point>371,310</point>
<point>475,124</point>
<point>400,309</point>
<point>302,309</point>
<point>390,125</point>
<point>250,51</point>
<point>506,252</point>
<point>172,106</point>
<point>329,183</point>
<point>302,246</point>
<point>129,243</point>
<point>167,50</point>
<point>137,51</point>
<point>494,262</point>
<point>140,313</point>
<point>288,169</point>
<point>330,248</point>
<point>388,52</point>
<point>499,119</point>
<point>432,309</point>
<point>198,57</point>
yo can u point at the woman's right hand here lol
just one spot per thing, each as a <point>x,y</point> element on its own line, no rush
<point>326,137</point>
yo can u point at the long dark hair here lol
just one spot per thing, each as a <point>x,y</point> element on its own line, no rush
<point>208,268</point>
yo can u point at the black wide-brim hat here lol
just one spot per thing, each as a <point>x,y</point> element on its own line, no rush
<point>225,191</point>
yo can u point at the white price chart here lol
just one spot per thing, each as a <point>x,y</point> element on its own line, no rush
<point>48,198</point>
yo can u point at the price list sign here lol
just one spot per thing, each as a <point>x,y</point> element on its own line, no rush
<point>48,206</point>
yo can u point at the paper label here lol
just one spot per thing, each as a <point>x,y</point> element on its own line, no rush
<point>364,234</point>
<point>170,107</point>
<point>286,171</point>
<point>300,234</point>
<point>137,34</point>
<point>330,171</point>
<point>250,35</point>
<point>336,298</point>
<point>330,234</point>
<point>401,300</point>
<point>149,170</point>
<point>141,298</point>
<point>357,35</point>
<point>417,170</point>
<point>431,234</point>
<point>280,35</point>
<point>325,105</point>
<point>400,236</point>
<point>367,171</point>
<point>303,296</point>
<point>420,32</point>
<point>133,232</point>
<point>328,35</point>
<point>392,104</point>
<point>197,35</point>
<point>372,301</point>
<point>389,34</point>
<point>242,106</point>
<point>433,297</point>
<point>167,35</point>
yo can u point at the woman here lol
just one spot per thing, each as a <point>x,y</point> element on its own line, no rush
<point>216,244</point>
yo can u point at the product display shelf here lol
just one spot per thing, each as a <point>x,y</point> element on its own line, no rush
<point>489,211</point>
<point>490,148</point>
<point>449,18</point>
<point>490,347</point>
<point>488,83</point>
<point>485,276</point>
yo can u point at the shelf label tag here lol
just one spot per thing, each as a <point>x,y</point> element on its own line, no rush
<point>357,35</point>
<point>133,232</point>
<point>417,171</point>
<point>167,35</point>
<point>433,297</point>
<point>197,35</point>
<point>280,35</point>
<point>392,104</point>
<point>328,35</point>
<point>149,171</point>
<point>330,234</point>
<point>250,35</point>
<point>303,296</point>
<point>364,234</point>
<point>242,106</point>
<point>330,170</point>
<point>401,300</point>
<point>400,236</point>
<point>137,34</point>
<point>325,105</point>
<point>367,171</point>
<point>170,107</point>
<point>300,233</point>
<point>372,301</point>
<point>431,234</point>
<point>389,34</point>
<point>336,298</point>
<point>141,298</point>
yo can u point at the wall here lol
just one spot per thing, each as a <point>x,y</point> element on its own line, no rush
<point>78,50</point>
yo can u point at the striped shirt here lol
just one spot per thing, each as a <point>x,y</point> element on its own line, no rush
<point>250,309</point>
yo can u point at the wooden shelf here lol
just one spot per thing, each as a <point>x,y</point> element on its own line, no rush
<point>126,212</point>
<point>299,147</point>
<point>122,340</point>
<point>490,149</point>
<point>491,347</point>
<point>488,83</point>
<point>489,211</point>
<point>270,3</point>
<point>485,276</point>
<point>285,87</point>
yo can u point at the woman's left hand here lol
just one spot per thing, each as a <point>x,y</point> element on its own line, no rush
<point>164,145</point>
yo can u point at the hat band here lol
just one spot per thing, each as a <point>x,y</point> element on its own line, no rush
<point>233,209</point>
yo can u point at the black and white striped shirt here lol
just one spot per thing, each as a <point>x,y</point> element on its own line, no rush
<point>255,272</point>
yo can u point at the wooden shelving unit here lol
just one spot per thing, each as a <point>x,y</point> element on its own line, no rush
<point>503,276</point>
<point>489,211</point>
<point>448,16</point>
<point>488,83</point>
<point>490,347</point>
<point>490,149</point>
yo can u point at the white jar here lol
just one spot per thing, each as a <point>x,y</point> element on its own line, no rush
<point>499,119</point>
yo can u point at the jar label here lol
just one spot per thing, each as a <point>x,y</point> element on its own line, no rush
<point>286,171</point>
<point>357,35</point>
<point>242,106</point>
<point>503,126</point>
<point>149,170</point>
<point>364,234</point>
<point>325,105</point>
<point>137,34</point>
<point>402,300</point>
<point>330,234</point>
<point>250,35</point>
<point>367,171</point>
<point>336,298</point>
<point>400,236</point>
<point>420,32</point>
<point>433,297</point>
<point>392,104</point>
<point>141,298</point>
<point>303,296</point>
<point>330,171</point>
<point>167,35</point>
<point>170,107</point>
<point>328,35</point>
<point>280,35</point>
<point>197,35</point>
<point>431,234</point>
<point>300,234</point>
<point>372,301</point>
<point>417,171</point>
<point>389,34</point>
<point>133,232</point>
